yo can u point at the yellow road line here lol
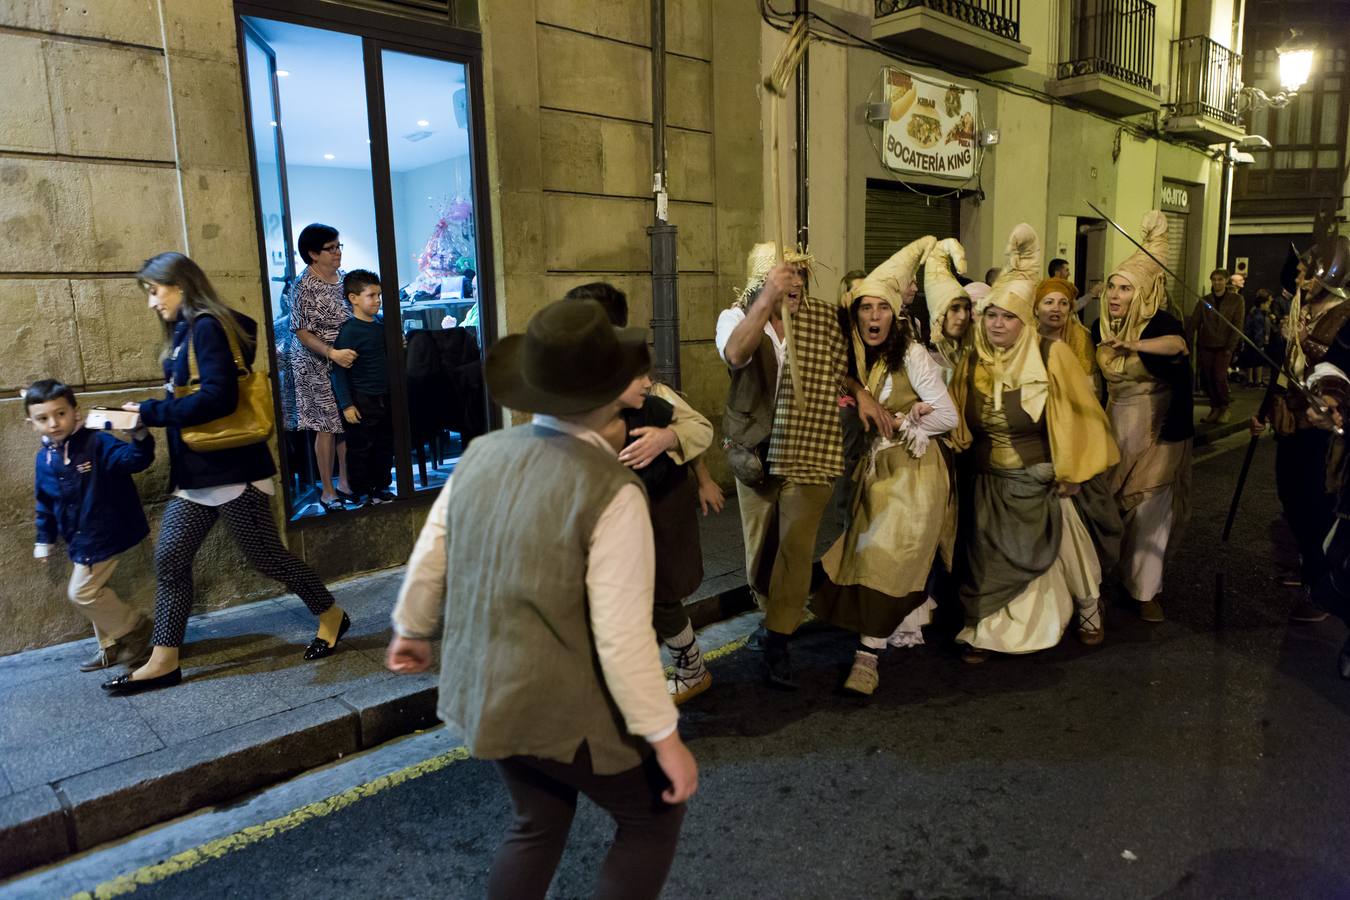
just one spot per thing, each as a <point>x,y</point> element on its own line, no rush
<point>246,837</point>
<point>223,846</point>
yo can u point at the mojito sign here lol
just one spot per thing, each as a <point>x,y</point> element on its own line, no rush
<point>932,126</point>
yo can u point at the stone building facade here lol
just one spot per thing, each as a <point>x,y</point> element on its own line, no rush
<point>124,132</point>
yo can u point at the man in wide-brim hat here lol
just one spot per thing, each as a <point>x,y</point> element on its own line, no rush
<point>552,569</point>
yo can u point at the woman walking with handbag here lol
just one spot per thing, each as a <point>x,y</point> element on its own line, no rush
<point>217,414</point>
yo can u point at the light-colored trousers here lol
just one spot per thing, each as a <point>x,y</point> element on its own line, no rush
<point>89,591</point>
<point>779,520</point>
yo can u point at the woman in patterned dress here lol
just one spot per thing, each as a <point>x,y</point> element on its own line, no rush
<point>318,310</point>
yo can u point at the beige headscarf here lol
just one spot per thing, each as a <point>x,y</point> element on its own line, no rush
<point>886,282</point>
<point>1150,288</point>
<point>761,259</point>
<point>1019,366</point>
<point>941,290</point>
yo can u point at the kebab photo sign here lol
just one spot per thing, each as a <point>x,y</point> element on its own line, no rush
<point>932,126</point>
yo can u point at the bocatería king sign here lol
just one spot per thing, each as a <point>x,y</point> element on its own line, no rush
<point>931,128</point>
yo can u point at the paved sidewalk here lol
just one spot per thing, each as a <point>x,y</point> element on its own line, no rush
<point>78,768</point>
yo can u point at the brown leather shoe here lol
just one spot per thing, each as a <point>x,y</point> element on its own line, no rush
<point>1305,613</point>
<point>105,658</point>
<point>1151,611</point>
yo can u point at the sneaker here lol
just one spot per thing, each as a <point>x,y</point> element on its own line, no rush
<point>863,677</point>
<point>1151,611</point>
<point>105,658</point>
<point>1305,613</point>
<point>755,642</point>
<point>684,687</point>
<point>778,667</point>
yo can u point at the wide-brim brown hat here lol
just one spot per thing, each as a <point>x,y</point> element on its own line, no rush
<point>570,360</point>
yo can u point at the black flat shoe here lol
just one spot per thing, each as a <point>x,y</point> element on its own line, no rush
<point>123,686</point>
<point>319,648</point>
<point>778,668</point>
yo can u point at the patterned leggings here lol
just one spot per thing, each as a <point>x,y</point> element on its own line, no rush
<point>249,518</point>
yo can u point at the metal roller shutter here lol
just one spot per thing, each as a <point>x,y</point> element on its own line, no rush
<point>896,215</point>
<point>1177,294</point>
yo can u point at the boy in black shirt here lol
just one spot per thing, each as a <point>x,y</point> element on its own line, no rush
<point>363,390</point>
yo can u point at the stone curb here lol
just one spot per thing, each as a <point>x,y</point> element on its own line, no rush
<point>50,822</point>
<point>47,823</point>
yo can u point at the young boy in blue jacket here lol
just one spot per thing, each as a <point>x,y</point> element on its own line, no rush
<point>85,497</point>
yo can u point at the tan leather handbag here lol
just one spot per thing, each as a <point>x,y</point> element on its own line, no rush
<point>250,423</point>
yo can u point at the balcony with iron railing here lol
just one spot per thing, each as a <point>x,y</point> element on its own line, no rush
<point>1206,82</point>
<point>976,35</point>
<point>1111,57</point>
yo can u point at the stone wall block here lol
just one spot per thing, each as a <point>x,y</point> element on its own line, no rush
<point>590,234</point>
<point>25,110</point>
<point>109,101</point>
<point>700,303</point>
<point>737,231</point>
<point>688,93</point>
<point>587,74</point>
<point>39,339</point>
<point>128,21</point>
<point>521,225</point>
<point>697,243</point>
<point>627,150</point>
<point>202,28</point>
<point>221,231</point>
<point>571,152</point>
<point>689,26</point>
<point>363,545</point>
<point>45,217</point>
<point>119,338</point>
<point>637,287</point>
<point>689,155</point>
<point>624,20</point>
<point>136,214</point>
<point>523,296</point>
<point>208,108</point>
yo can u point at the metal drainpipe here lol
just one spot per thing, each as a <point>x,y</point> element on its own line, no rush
<point>1225,207</point>
<point>665,291</point>
<point>803,117</point>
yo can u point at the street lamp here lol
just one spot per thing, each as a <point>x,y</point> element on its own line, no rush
<point>1296,59</point>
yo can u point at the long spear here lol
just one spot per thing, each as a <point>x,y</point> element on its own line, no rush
<point>1280,367</point>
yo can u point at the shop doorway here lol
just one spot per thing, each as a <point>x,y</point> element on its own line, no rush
<point>377,140</point>
<point>1089,267</point>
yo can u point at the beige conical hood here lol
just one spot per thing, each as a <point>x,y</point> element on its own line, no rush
<point>889,280</point>
<point>1150,291</point>
<point>1015,287</point>
<point>940,287</point>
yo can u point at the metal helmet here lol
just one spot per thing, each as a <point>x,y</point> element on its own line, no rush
<point>1329,265</point>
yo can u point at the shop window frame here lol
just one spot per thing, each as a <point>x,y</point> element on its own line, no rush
<point>379,32</point>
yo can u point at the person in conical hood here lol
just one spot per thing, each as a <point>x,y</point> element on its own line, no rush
<point>1037,523</point>
<point>782,436</point>
<point>949,303</point>
<point>1142,353</point>
<point>1057,320</point>
<point>903,514</point>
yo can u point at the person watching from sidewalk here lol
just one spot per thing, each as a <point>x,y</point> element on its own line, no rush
<point>205,338</point>
<point>1036,518</point>
<point>1215,342</point>
<point>1141,350</point>
<point>664,437</point>
<point>86,498</point>
<point>1058,268</point>
<point>362,391</point>
<point>782,438</point>
<point>1315,333</point>
<point>538,557</point>
<point>1258,328</point>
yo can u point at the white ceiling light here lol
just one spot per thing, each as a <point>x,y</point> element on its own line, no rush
<point>422,123</point>
<point>329,156</point>
<point>282,73</point>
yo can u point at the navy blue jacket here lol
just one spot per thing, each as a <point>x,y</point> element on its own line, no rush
<point>91,503</point>
<point>217,397</point>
